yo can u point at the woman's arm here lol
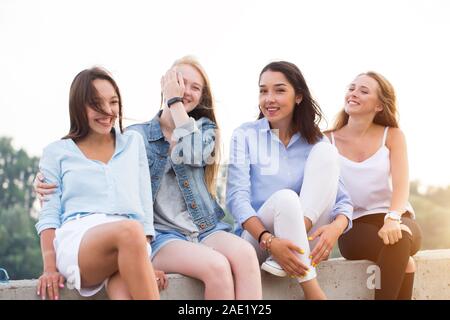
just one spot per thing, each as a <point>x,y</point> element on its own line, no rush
<point>391,231</point>
<point>145,189</point>
<point>396,143</point>
<point>50,281</point>
<point>49,220</point>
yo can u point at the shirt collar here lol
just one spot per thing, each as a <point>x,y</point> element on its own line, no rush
<point>154,128</point>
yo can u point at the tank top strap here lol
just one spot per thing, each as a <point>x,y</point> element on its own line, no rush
<point>332,139</point>
<point>385,136</point>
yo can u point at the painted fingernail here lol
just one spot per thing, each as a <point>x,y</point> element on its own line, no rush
<point>310,238</point>
<point>314,264</point>
<point>56,298</point>
<point>301,251</point>
<point>310,256</point>
<point>61,285</point>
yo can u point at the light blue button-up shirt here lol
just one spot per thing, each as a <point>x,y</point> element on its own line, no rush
<point>85,186</point>
<point>260,165</point>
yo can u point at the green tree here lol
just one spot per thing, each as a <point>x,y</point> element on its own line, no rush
<point>19,243</point>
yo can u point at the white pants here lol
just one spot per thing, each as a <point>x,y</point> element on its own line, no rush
<point>283,213</point>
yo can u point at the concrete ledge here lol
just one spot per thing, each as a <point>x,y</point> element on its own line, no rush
<point>339,278</point>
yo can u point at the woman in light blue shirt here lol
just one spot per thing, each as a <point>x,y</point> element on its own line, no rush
<point>283,181</point>
<point>94,228</point>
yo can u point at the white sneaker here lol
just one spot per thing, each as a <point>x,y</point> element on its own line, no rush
<point>271,266</point>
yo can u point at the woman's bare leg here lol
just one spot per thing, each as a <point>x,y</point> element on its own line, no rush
<point>243,261</point>
<point>118,246</point>
<point>200,262</point>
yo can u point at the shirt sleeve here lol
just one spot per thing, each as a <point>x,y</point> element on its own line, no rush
<point>238,194</point>
<point>145,189</point>
<point>50,214</point>
<point>195,143</point>
<point>343,205</point>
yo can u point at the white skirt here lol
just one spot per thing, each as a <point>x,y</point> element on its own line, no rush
<point>67,244</point>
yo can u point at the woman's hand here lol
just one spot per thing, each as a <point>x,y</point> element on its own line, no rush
<point>328,235</point>
<point>282,251</point>
<point>49,284</point>
<point>390,232</point>
<point>161,279</point>
<point>172,84</point>
<point>42,188</point>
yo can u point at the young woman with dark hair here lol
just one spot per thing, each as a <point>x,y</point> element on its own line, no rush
<point>96,226</point>
<point>283,180</point>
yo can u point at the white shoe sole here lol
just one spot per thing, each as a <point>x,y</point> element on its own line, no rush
<point>272,270</point>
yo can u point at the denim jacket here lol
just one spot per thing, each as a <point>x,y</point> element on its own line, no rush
<point>194,148</point>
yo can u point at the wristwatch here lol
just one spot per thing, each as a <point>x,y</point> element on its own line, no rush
<point>173,100</point>
<point>393,215</point>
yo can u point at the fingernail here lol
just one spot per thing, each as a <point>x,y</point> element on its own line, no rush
<point>314,264</point>
<point>61,285</point>
<point>56,298</point>
<point>38,293</point>
<point>310,238</point>
<point>310,256</point>
<point>301,251</point>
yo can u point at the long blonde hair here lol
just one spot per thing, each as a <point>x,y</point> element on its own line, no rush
<point>206,108</point>
<point>386,93</point>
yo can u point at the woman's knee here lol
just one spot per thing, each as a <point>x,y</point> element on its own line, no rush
<point>245,255</point>
<point>131,232</point>
<point>286,201</point>
<point>325,151</point>
<point>217,269</point>
<point>411,266</point>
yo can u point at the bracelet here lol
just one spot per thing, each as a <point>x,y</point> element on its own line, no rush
<point>171,101</point>
<point>261,234</point>
<point>269,242</point>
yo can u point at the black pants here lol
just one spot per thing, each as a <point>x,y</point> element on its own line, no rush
<point>363,243</point>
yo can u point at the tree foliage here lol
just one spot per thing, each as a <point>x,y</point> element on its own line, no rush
<point>19,243</point>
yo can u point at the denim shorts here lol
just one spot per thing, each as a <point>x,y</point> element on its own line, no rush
<point>163,237</point>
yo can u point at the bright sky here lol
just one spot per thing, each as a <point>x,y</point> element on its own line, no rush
<point>44,44</point>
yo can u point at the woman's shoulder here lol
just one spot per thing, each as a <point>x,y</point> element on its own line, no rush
<point>58,146</point>
<point>394,137</point>
<point>256,124</point>
<point>205,122</point>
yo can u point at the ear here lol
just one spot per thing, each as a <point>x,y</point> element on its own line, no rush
<point>379,108</point>
<point>298,98</point>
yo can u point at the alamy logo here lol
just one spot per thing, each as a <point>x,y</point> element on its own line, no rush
<point>374,280</point>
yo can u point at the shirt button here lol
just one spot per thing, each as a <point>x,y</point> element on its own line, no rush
<point>186,183</point>
<point>202,225</point>
<point>193,205</point>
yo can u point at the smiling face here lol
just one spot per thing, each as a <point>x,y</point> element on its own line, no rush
<point>108,100</point>
<point>194,85</point>
<point>277,98</point>
<point>362,97</point>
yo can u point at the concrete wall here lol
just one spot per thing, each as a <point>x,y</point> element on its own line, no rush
<point>339,278</point>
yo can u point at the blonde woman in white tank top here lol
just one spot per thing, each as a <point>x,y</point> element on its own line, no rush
<point>374,168</point>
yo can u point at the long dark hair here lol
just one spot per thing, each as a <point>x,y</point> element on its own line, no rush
<point>307,114</point>
<point>83,94</point>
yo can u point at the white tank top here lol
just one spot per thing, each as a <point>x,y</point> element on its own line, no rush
<point>369,183</point>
